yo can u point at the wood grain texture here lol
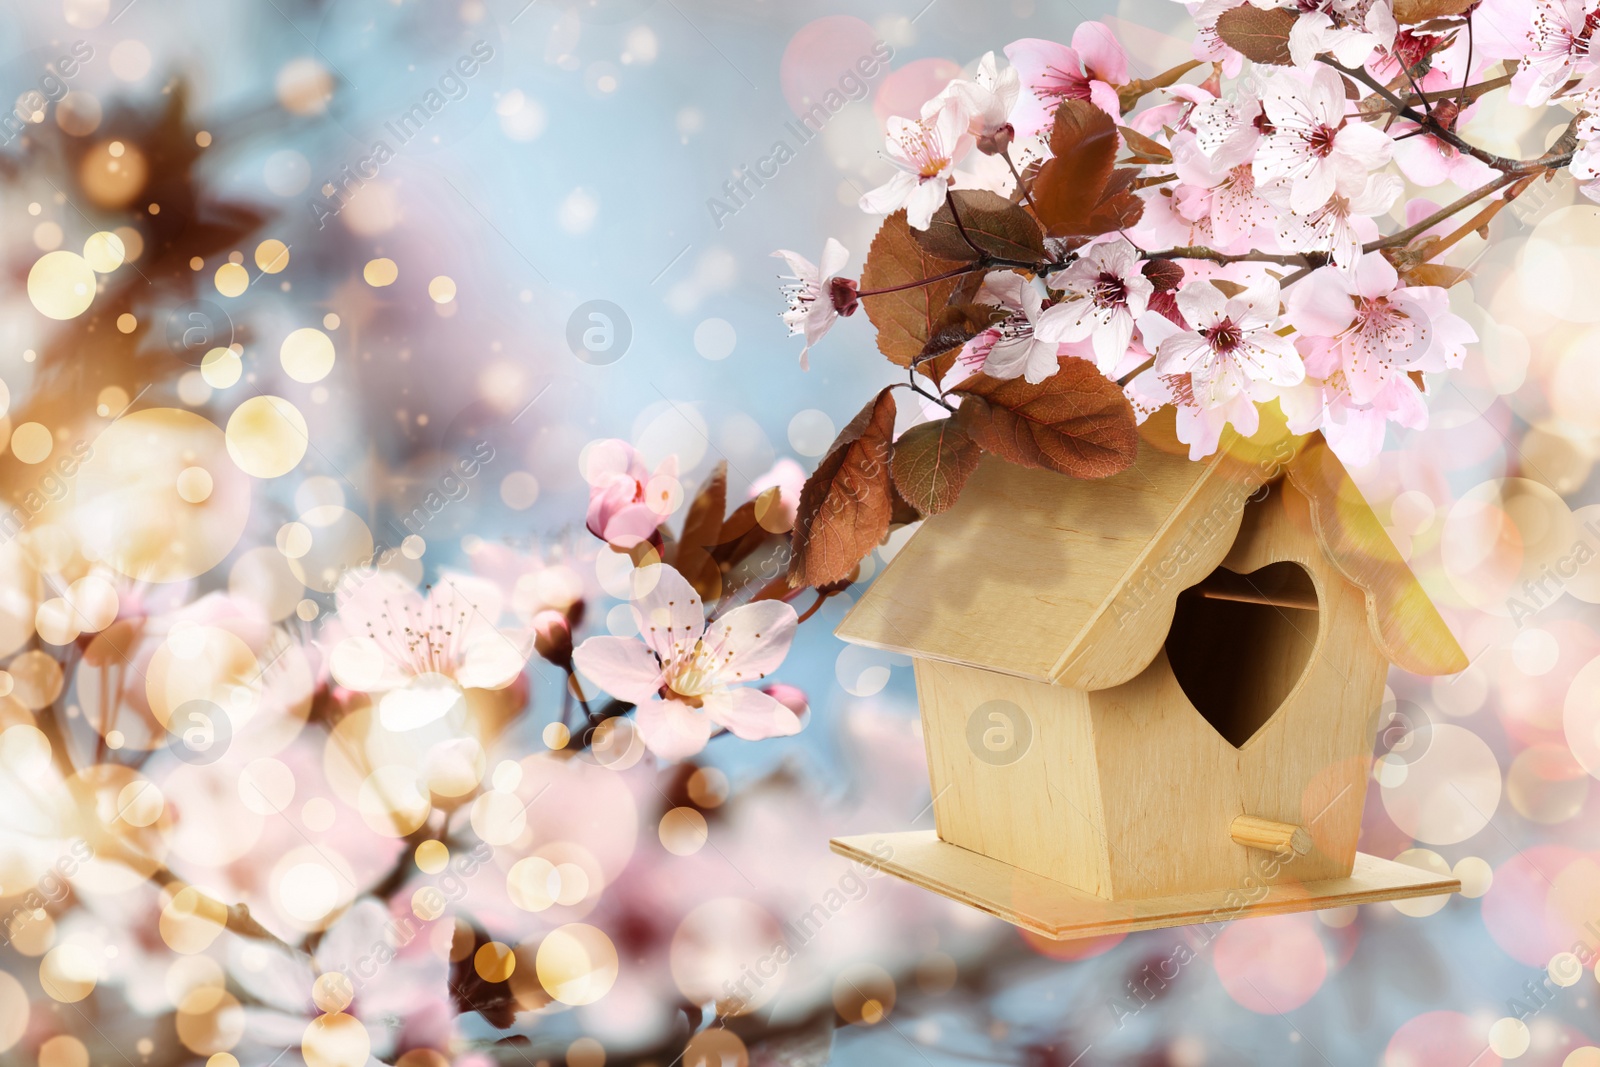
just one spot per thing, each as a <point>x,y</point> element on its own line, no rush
<point>1038,575</point>
<point>1053,910</point>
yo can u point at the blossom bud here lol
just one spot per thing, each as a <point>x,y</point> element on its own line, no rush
<point>996,143</point>
<point>790,697</point>
<point>552,638</point>
<point>842,291</point>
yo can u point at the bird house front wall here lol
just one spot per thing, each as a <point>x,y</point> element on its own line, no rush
<point>1130,792</point>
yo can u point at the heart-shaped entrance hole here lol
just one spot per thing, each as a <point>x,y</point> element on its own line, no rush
<point>1240,642</point>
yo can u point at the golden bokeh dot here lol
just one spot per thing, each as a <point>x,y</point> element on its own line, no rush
<point>222,1059</point>
<point>194,485</point>
<point>221,367</point>
<point>1587,1056</point>
<point>587,1052</point>
<point>267,436</point>
<point>31,442</point>
<point>1509,1038</point>
<point>104,252</point>
<point>432,856</point>
<point>68,973</point>
<point>140,802</point>
<point>380,272</point>
<point>189,924</point>
<point>294,539</point>
<point>318,814</point>
<point>332,992</point>
<point>55,623</point>
<point>307,355</point>
<point>36,679</point>
<point>113,174</point>
<point>427,903</point>
<point>304,86</point>
<point>442,289</point>
<point>79,113</point>
<point>63,1050</point>
<point>494,961</point>
<point>519,490</point>
<point>708,787</point>
<point>47,236</point>
<point>556,735</point>
<point>272,256</point>
<point>232,279</point>
<point>193,389</point>
<point>127,322</point>
<point>577,964</point>
<point>330,321</point>
<point>33,934</point>
<point>61,285</point>
<point>94,602</point>
<point>129,514</point>
<point>203,138</point>
<point>683,831</point>
<point>307,610</point>
<point>196,263</point>
<point>864,993</point>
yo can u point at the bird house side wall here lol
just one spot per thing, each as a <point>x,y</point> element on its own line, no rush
<point>1012,768</point>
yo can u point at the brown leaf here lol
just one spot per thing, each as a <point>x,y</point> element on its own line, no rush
<point>1436,274</point>
<point>1258,34</point>
<point>1410,12</point>
<point>932,462</point>
<point>1164,274</point>
<point>702,529</point>
<point>995,225</point>
<point>847,502</point>
<point>1080,193</point>
<point>1076,421</point>
<point>907,318</point>
<point>1145,149</point>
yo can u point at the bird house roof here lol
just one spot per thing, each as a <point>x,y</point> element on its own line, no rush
<point>1035,574</point>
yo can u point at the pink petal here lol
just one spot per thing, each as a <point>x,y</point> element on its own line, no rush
<point>749,642</point>
<point>672,730</point>
<point>1103,58</point>
<point>668,612</point>
<point>621,666</point>
<point>750,714</point>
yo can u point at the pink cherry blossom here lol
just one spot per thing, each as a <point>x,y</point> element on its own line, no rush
<point>1011,348</point>
<point>1350,31</point>
<point>924,154</point>
<point>1227,129</point>
<point>1380,330</point>
<point>1311,147</point>
<point>1092,69</point>
<point>1232,346</point>
<point>1104,291</point>
<point>1557,49</point>
<point>422,649</point>
<point>1342,225</point>
<point>1224,195</point>
<point>687,677</point>
<point>817,296</point>
<point>623,508</point>
<point>988,98</point>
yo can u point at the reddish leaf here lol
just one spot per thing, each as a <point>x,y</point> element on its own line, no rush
<point>1145,149</point>
<point>908,317</point>
<point>847,502</point>
<point>1439,274</point>
<point>1258,34</point>
<point>995,225</point>
<point>1164,274</point>
<point>1080,193</point>
<point>702,529</point>
<point>931,464</point>
<point>1076,421</point>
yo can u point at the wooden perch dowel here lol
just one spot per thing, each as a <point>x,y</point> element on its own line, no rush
<point>1284,838</point>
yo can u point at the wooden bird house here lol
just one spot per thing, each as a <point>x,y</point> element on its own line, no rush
<point>1151,700</point>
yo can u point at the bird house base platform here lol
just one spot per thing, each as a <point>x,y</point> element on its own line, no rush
<point>1060,912</point>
